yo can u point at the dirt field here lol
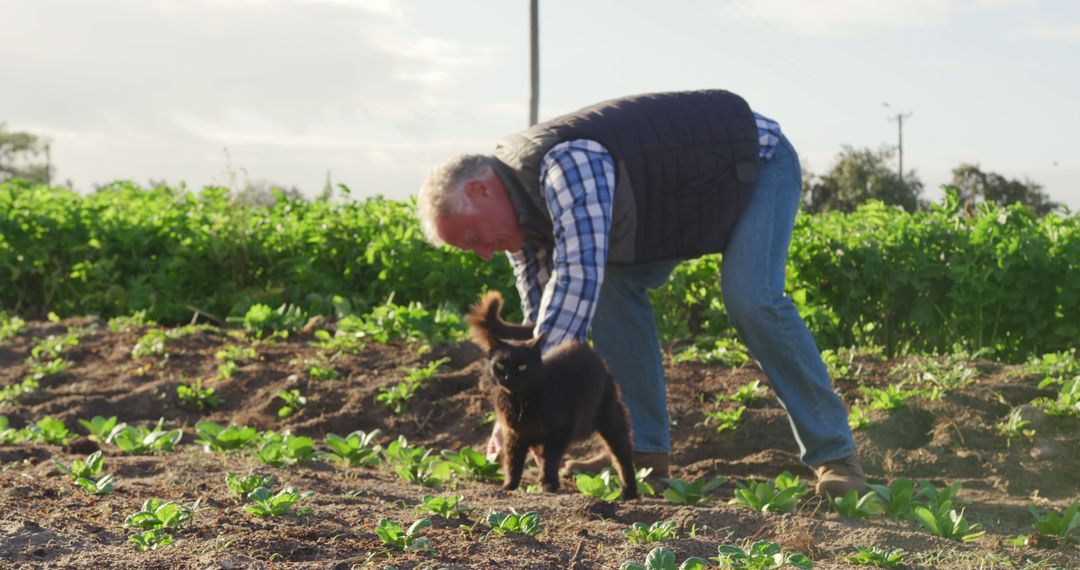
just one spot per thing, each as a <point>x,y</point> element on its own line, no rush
<point>44,523</point>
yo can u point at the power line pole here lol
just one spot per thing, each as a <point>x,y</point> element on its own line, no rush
<point>899,118</point>
<point>534,60</point>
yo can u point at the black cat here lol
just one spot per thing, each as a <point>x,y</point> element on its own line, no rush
<point>551,400</point>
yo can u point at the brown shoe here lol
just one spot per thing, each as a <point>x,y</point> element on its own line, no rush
<point>659,462</point>
<point>836,478</point>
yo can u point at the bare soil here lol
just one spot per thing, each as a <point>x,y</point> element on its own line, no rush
<point>45,523</point>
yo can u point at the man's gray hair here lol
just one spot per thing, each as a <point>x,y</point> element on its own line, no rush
<point>443,191</point>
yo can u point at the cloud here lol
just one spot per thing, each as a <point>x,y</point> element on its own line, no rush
<point>1052,32</point>
<point>855,17</point>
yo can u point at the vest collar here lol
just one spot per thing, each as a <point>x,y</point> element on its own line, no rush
<point>535,222</point>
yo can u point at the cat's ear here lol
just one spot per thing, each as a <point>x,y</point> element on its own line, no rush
<point>538,342</point>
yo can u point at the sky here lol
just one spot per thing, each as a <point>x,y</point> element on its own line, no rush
<point>373,93</point>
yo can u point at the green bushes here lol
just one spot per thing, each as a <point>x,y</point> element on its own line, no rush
<point>996,279</point>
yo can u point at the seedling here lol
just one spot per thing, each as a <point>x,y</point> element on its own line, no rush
<point>1067,402</point>
<point>102,486</point>
<point>685,493</point>
<point>151,540</point>
<point>781,494</point>
<point>99,428</point>
<point>52,346</point>
<point>392,534</point>
<point>243,486</point>
<point>158,514</point>
<point>875,556</point>
<point>472,464</point>
<point>125,323</point>
<point>141,440</point>
<point>762,555</point>
<point>506,523</point>
<point>48,430</point>
<point>260,319</point>
<point>415,464</point>
<point>1015,426</point>
<point>640,533</point>
<point>215,437</point>
<point>898,499</point>
<point>948,523</point>
<point>236,353</point>
<point>80,468</point>
<point>40,370</point>
<point>447,506</point>
<point>195,395</point>
<point>604,486</point>
<point>752,390</point>
<point>938,500</point>
<point>853,506</point>
<point>1062,527</point>
<point>725,420</point>
<point>421,374</point>
<point>661,558</point>
<point>293,402</point>
<point>397,397</point>
<point>266,503</point>
<point>10,326</point>
<point>154,343</point>
<point>284,449</point>
<point>892,397</point>
<point>354,450</point>
<point>726,351</point>
<point>857,418</point>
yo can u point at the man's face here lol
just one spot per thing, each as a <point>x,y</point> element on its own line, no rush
<point>492,225</point>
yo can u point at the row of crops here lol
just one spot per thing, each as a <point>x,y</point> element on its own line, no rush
<point>1002,281</point>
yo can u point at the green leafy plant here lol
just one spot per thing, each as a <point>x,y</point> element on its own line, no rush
<point>98,427</point>
<point>244,485</point>
<point>857,418</point>
<point>604,485</point>
<point>125,323</point>
<point>851,505</point>
<point>726,351</point>
<point>153,343</point>
<point>505,523</point>
<point>447,506</point>
<point>151,540</point>
<point>397,397</point>
<point>947,523</point>
<point>761,555</point>
<point>354,450</point>
<point>260,320</point>
<point>1062,527</point>
<point>266,503</point>
<point>725,420</point>
<point>752,390</point>
<point>215,437</point>
<point>686,493</point>
<point>10,325</point>
<point>406,540</point>
<point>85,474</point>
<point>236,353</point>
<point>1015,426</point>
<point>142,440</point>
<point>661,558</point>
<point>161,515</point>
<point>876,556</point>
<point>196,396</point>
<point>472,464</point>
<point>281,449</point>
<point>1067,402</point>
<point>898,498</point>
<point>48,430</point>
<point>640,533</point>
<point>780,494</point>
<point>415,464</point>
<point>294,401</point>
<point>891,397</point>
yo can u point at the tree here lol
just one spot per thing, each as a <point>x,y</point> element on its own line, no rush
<point>17,153</point>
<point>974,186</point>
<point>860,175</point>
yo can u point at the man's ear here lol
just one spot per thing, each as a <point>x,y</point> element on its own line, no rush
<point>476,188</point>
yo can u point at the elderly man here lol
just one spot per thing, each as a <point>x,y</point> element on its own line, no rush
<point>596,207</point>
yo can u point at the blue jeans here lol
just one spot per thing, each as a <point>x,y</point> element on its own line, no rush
<point>752,280</point>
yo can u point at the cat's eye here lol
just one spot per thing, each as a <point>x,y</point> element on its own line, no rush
<point>499,366</point>
<point>522,367</point>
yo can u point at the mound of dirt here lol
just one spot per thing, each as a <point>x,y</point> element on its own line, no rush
<point>46,523</point>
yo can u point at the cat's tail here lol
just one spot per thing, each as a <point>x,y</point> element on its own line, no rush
<point>487,326</point>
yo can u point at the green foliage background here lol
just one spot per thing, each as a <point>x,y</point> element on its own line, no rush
<point>1000,279</point>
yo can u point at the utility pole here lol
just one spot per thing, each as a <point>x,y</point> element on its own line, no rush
<point>534,57</point>
<point>899,118</point>
<point>48,164</point>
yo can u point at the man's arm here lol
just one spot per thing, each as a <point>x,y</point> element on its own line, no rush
<point>578,179</point>
<point>532,269</point>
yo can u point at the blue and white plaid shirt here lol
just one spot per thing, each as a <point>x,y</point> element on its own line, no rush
<point>559,288</point>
